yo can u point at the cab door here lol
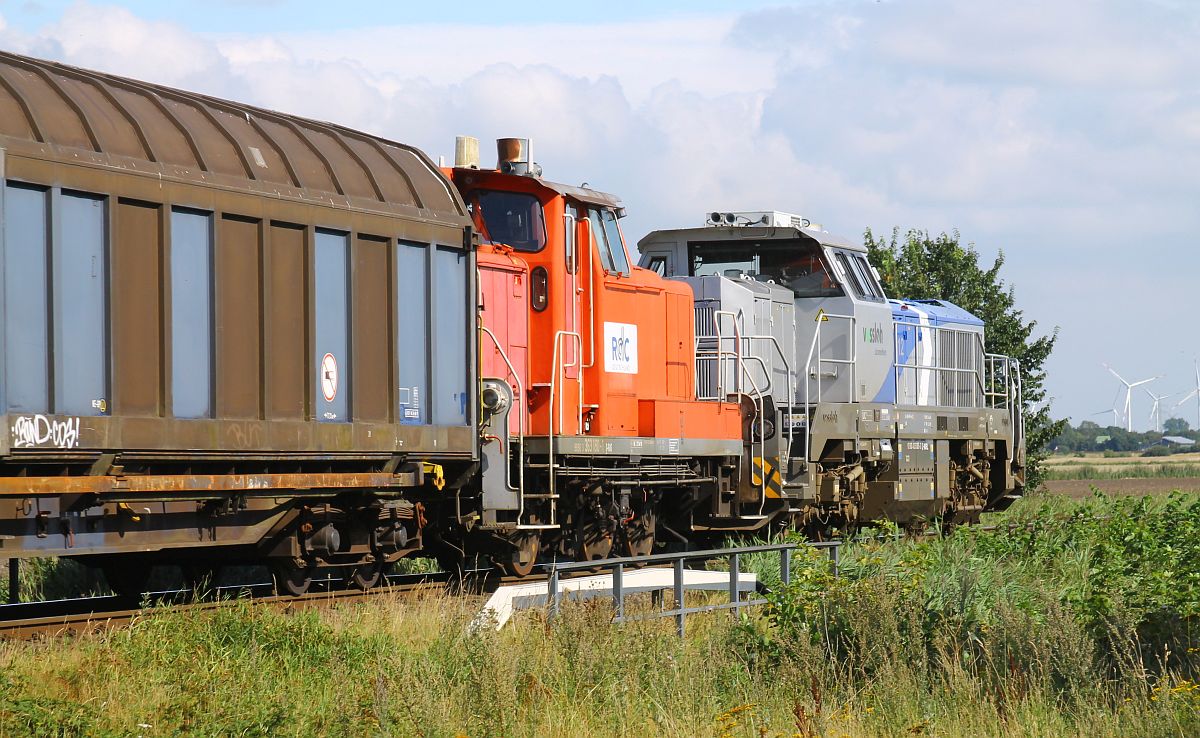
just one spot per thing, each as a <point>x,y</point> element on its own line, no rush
<point>619,310</point>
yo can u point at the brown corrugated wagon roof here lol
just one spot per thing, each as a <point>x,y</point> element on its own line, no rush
<point>122,122</point>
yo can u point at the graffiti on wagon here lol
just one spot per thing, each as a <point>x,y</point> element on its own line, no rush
<point>29,431</point>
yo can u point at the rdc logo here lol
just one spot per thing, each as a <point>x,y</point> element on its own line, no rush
<point>620,348</point>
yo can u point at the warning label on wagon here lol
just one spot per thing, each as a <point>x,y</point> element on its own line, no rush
<point>329,377</point>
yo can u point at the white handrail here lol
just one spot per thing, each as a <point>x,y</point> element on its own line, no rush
<point>814,352</point>
<point>559,367</point>
<point>521,419</point>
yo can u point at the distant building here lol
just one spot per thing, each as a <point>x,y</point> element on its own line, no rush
<point>1176,441</point>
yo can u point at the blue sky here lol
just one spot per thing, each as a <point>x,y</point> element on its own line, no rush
<point>1065,134</point>
<point>272,16</point>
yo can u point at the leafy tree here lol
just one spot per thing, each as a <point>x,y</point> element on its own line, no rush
<point>1175,426</point>
<point>924,267</point>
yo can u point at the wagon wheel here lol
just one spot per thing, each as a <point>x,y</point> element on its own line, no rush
<point>523,558</point>
<point>291,579</point>
<point>366,576</point>
<point>639,535</point>
<point>594,541</point>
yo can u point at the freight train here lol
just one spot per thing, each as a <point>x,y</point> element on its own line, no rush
<point>234,335</point>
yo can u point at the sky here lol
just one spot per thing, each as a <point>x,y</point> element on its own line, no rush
<point>1064,135</point>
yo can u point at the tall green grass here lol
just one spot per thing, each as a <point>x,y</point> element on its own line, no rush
<point>1084,625</point>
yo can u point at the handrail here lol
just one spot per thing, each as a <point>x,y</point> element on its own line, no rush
<point>559,367</point>
<point>522,414</point>
<point>978,389</point>
<point>587,247</point>
<point>756,397</point>
<point>814,352</point>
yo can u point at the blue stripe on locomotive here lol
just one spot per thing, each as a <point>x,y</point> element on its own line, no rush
<point>907,316</point>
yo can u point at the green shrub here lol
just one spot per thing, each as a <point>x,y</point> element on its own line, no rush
<point>1068,619</point>
<point>1092,603</point>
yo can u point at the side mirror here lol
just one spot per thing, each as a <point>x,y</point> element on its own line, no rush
<point>569,242</point>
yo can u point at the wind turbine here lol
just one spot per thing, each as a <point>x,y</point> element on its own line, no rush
<point>1194,393</point>
<point>1116,415</point>
<point>1156,411</point>
<point>1129,394</point>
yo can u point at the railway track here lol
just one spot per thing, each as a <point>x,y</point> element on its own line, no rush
<point>72,617</point>
<point>94,614</point>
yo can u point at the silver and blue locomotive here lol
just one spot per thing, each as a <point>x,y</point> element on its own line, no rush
<point>861,407</point>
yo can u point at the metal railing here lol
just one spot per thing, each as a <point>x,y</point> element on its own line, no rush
<point>680,611</point>
<point>559,365</point>
<point>1011,393</point>
<point>740,356</point>
<point>810,374</point>
<point>522,416</point>
<point>995,383</point>
<point>814,354</point>
<point>938,367</point>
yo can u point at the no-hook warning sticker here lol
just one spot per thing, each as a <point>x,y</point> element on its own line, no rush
<point>329,377</point>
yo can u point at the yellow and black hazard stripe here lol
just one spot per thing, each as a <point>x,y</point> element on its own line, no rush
<point>768,468</point>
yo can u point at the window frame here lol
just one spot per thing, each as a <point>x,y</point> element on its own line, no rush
<point>863,269</point>
<point>856,289</point>
<point>609,217</point>
<point>211,306</point>
<point>475,202</point>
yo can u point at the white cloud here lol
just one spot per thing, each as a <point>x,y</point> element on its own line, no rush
<point>640,54</point>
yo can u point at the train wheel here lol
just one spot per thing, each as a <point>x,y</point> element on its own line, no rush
<point>595,542</point>
<point>524,556</point>
<point>366,576</point>
<point>291,579</point>
<point>639,536</point>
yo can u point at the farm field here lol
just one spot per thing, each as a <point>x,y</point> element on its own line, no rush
<point>1075,476</point>
<point>1134,486</point>
<point>1081,623</point>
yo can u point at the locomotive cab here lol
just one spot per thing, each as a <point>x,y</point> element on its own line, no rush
<point>612,345</point>
<point>802,312</point>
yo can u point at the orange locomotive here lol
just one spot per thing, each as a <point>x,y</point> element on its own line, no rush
<point>593,428</point>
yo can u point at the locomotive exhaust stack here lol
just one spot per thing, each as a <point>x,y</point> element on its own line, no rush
<point>515,156</point>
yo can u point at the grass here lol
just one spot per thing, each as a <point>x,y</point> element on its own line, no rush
<point>1144,470</point>
<point>1086,627</point>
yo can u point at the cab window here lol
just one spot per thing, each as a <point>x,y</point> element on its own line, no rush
<point>599,240</point>
<point>616,246</point>
<point>797,265</point>
<point>853,279</point>
<point>513,219</point>
<point>863,268</point>
<point>858,276</point>
<point>607,239</point>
